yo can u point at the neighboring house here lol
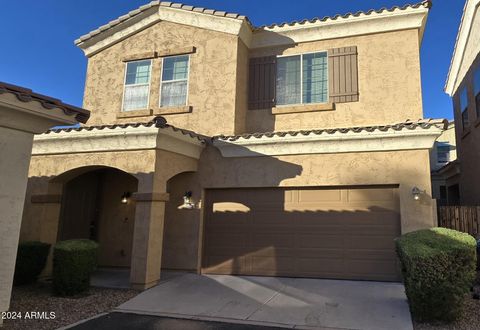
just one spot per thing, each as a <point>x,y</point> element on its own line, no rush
<point>445,169</point>
<point>23,113</point>
<point>280,150</point>
<point>463,85</point>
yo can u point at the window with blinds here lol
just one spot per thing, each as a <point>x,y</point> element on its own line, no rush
<point>302,79</point>
<point>309,78</point>
<point>137,85</point>
<point>174,84</point>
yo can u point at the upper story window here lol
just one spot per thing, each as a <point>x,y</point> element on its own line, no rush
<point>302,79</point>
<point>443,153</point>
<point>174,82</point>
<point>476,90</point>
<point>137,85</point>
<point>464,107</point>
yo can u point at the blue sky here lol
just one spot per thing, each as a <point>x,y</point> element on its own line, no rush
<point>38,51</point>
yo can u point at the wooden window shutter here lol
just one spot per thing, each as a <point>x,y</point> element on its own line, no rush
<point>343,74</point>
<point>262,80</point>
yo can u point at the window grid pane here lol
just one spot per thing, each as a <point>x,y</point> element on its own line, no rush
<point>463,99</point>
<point>288,80</point>
<point>173,90</point>
<point>465,121</point>
<point>138,73</point>
<point>136,97</point>
<point>174,93</point>
<point>476,82</point>
<point>315,78</point>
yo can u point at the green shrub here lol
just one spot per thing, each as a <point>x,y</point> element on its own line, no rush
<point>73,262</point>
<point>438,268</point>
<point>31,259</point>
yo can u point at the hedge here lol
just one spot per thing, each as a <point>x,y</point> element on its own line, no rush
<point>73,262</point>
<point>31,259</point>
<point>438,266</point>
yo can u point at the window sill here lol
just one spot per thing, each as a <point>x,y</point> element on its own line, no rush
<point>477,122</point>
<point>134,113</point>
<point>465,132</point>
<point>281,110</point>
<point>172,110</point>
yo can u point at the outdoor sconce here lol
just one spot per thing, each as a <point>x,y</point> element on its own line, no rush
<point>416,193</point>
<point>125,197</point>
<point>188,203</point>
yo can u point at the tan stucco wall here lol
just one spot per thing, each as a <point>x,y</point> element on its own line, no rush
<point>15,150</point>
<point>467,142</point>
<point>404,168</point>
<point>388,68</point>
<point>388,80</point>
<point>472,48</point>
<point>212,79</point>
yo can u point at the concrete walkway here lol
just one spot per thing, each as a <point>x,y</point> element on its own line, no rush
<point>275,301</point>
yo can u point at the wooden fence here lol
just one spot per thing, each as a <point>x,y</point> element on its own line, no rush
<point>461,218</point>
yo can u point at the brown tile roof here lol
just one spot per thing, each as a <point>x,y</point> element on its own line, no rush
<point>27,95</point>
<point>157,3</point>
<point>425,4</point>
<point>410,125</point>
<point>158,121</point>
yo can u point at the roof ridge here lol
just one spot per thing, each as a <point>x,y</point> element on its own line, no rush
<point>159,122</point>
<point>220,13</point>
<point>424,123</point>
<point>425,4</point>
<point>157,3</point>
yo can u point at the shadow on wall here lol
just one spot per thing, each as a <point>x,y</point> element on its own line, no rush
<point>84,203</point>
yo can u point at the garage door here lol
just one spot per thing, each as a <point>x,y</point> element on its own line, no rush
<point>343,233</point>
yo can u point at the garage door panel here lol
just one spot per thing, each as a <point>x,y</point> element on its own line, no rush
<point>271,266</point>
<point>311,232</point>
<point>320,240</point>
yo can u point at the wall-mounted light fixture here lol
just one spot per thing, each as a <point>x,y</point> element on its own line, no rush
<point>188,203</point>
<point>416,192</point>
<point>125,197</point>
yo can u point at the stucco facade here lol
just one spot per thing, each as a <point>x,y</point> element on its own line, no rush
<point>23,113</point>
<point>375,141</point>
<point>461,79</point>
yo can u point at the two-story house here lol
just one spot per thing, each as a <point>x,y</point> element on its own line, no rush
<point>217,146</point>
<point>463,85</point>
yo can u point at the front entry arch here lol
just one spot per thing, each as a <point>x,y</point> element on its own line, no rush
<point>92,208</point>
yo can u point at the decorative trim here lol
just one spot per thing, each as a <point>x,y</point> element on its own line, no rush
<point>118,138</point>
<point>172,110</point>
<point>324,143</point>
<point>141,56</point>
<point>281,110</point>
<point>176,51</point>
<point>151,197</point>
<point>466,25</point>
<point>411,18</point>
<point>46,199</point>
<point>134,113</point>
<point>384,20</point>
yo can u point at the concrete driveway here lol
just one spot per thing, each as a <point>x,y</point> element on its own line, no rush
<point>276,301</point>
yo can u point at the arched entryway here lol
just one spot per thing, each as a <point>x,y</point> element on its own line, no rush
<point>96,204</point>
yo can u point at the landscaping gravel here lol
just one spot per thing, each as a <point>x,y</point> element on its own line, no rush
<point>470,320</point>
<point>38,298</point>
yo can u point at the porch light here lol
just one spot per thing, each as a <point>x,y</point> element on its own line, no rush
<point>125,197</point>
<point>188,203</point>
<point>416,193</point>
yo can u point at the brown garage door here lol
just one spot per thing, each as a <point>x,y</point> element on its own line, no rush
<point>343,233</point>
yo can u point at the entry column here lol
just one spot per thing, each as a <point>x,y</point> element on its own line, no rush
<point>148,239</point>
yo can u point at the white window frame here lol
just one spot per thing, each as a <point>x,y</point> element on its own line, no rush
<point>125,84</point>
<point>301,80</point>
<point>170,81</point>
<point>443,145</point>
